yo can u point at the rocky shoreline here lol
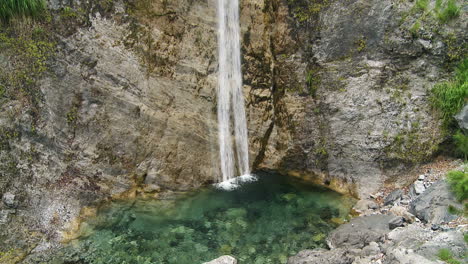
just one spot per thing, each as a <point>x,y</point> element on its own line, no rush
<point>392,226</point>
<point>396,226</point>
<point>407,225</point>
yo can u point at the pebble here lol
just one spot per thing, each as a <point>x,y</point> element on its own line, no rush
<point>421,177</point>
<point>405,202</point>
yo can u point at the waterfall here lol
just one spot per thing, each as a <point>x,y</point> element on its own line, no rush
<point>230,93</point>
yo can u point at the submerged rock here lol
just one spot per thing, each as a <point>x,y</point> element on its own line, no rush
<point>223,260</point>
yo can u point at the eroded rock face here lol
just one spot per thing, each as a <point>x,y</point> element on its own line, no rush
<point>128,103</point>
<point>370,116</point>
<point>337,95</point>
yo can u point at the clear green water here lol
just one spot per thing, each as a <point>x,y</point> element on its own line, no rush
<point>262,222</point>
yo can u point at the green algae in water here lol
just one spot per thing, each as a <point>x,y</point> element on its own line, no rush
<point>262,222</point>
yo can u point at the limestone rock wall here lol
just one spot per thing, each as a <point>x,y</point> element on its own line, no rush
<point>336,92</point>
<point>351,84</point>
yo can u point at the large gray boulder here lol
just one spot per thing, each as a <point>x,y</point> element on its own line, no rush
<point>416,244</point>
<point>223,260</point>
<point>462,118</point>
<point>360,231</point>
<point>432,205</point>
<point>322,256</point>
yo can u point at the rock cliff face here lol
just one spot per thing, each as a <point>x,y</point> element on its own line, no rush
<point>365,117</point>
<point>336,92</point>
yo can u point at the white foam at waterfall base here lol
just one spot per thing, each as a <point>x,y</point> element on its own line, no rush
<point>234,183</point>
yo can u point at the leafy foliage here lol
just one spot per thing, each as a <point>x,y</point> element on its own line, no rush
<point>20,8</point>
<point>449,97</point>
<point>461,144</point>
<point>459,182</point>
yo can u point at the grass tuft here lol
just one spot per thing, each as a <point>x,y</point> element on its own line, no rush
<point>450,12</point>
<point>447,256</point>
<point>422,4</point>
<point>20,8</point>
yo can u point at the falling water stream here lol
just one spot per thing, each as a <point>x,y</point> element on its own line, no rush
<point>230,98</point>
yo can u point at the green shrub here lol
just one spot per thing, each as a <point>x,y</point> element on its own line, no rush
<point>454,210</point>
<point>461,144</point>
<point>449,97</point>
<point>450,12</point>
<point>458,181</point>
<point>20,8</point>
